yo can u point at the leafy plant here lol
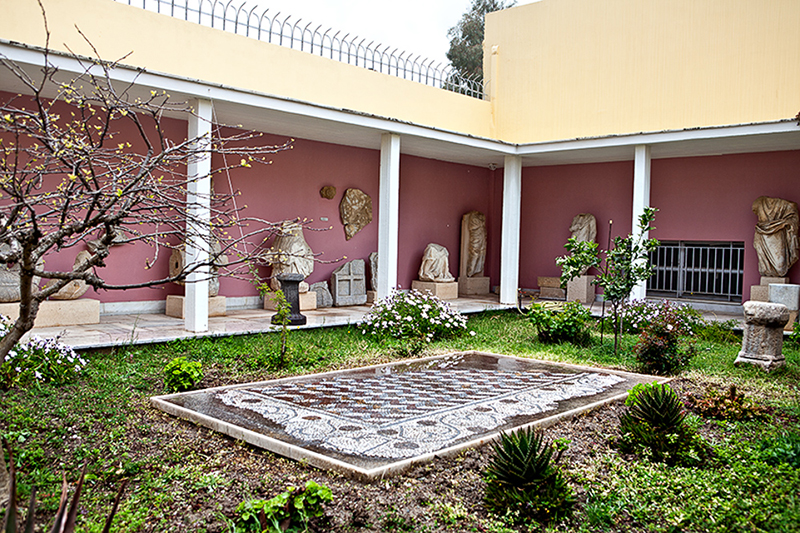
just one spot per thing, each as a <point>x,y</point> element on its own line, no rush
<point>65,516</point>
<point>523,480</point>
<point>782,449</point>
<point>182,375</point>
<point>659,349</point>
<point>38,361</point>
<point>622,268</point>
<point>732,405</point>
<point>636,315</point>
<point>720,331</point>
<point>655,426</point>
<point>567,324</point>
<point>289,511</point>
<point>413,316</point>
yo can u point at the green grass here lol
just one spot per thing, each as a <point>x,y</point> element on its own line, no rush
<point>104,420</point>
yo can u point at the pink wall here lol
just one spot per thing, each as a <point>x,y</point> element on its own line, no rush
<point>553,195</point>
<point>710,198</point>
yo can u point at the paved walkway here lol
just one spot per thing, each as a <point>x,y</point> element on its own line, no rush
<point>119,330</point>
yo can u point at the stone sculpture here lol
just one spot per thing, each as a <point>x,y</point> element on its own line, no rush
<point>775,240</point>
<point>473,235</point>
<point>355,211</point>
<point>290,254</point>
<point>435,264</point>
<point>77,287</point>
<point>9,279</point>
<point>328,192</point>
<point>373,271</point>
<point>581,289</point>
<point>762,339</point>
<point>177,262</point>
<point>349,284</point>
<point>324,297</point>
<point>584,227</point>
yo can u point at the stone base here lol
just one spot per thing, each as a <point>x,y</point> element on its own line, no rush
<point>308,301</point>
<point>767,363</point>
<point>59,312</point>
<point>765,280</point>
<point>372,296</point>
<point>473,286</point>
<point>445,291</point>
<point>554,283</point>
<point>759,293</point>
<point>552,293</point>
<point>581,290</point>
<point>176,306</point>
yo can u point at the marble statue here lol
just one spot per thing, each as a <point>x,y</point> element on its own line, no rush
<point>77,287</point>
<point>775,240</point>
<point>9,278</point>
<point>355,211</point>
<point>435,264</point>
<point>583,229</point>
<point>474,223</point>
<point>290,254</point>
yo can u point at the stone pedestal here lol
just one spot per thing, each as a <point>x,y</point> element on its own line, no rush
<point>474,285</point>
<point>176,306</point>
<point>581,290</point>
<point>762,342</point>
<point>442,290</point>
<point>59,312</point>
<point>290,285</point>
<point>550,288</point>
<point>759,293</point>
<point>308,301</point>
<point>789,295</point>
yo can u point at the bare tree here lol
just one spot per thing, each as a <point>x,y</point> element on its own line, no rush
<point>70,179</point>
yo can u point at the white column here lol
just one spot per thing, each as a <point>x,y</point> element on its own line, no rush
<point>641,199</point>
<point>509,245</point>
<point>198,228</point>
<point>388,214</point>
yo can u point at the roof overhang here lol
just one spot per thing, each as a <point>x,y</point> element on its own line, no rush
<point>292,118</point>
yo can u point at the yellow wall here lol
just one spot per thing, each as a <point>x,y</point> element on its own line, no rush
<point>164,44</point>
<point>582,68</point>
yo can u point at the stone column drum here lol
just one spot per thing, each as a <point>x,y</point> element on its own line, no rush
<point>762,342</point>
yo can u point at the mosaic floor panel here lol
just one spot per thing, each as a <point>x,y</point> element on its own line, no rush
<point>373,420</point>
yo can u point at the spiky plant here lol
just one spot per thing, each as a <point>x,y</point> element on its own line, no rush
<point>523,480</point>
<point>655,426</point>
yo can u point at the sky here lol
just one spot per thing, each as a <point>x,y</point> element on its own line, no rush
<point>415,26</point>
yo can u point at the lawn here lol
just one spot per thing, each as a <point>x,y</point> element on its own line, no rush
<point>187,478</point>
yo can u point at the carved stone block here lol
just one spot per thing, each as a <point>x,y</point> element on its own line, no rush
<point>176,306</point>
<point>581,290</point>
<point>766,280</point>
<point>444,290</point>
<point>786,294</point>
<point>324,298</point>
<point>349,284</point>
<point>355,211</point>
<point>759,293</point>
<point>762,341</point>
<point>473,286</point>
<point>308,301</point>
<point>59,312</point>
<point>552,293</point>
<point>554,283</point>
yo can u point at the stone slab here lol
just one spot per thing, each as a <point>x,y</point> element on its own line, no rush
<point>373,421</point>
<point>324,298</point>
<point>349,284</point>
<point>176,306</point>
<point>759,293</point>
<point>581,290</point>
<point>552,293</point>
<point>308,301</point>
<point>786,294</point>
<point>59,312</point>
<point>443,290</point>
<point>544,281</point>
<point>766,280</point>
<point>474,285</point>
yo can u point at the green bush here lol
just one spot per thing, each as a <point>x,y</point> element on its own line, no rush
<point>38,361</point>
<point>659,349</point>
<point>289,511</point>
<point>523,481</point>
<point>413,316</point>
<point>718,331</point>
<point>783,449</point>
<point>568,324</point>
<point>655,426</point>
<point>182,375</point>
<point>637,315</point>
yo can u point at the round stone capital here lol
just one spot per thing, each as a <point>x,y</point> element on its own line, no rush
<point>766,314</point>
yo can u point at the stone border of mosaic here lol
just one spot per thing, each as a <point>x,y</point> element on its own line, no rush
<point>326,462</point>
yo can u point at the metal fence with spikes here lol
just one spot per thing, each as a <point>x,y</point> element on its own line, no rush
<point>314,39</point>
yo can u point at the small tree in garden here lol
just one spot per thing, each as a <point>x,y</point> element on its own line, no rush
<point>620,268</point>
<point>70,181</point>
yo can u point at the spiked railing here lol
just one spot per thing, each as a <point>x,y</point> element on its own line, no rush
<point>258,23</point>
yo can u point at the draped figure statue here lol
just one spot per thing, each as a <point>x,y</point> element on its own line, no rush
<point>775,237</point>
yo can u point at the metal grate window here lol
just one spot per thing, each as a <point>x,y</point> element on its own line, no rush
<point>704,270</point>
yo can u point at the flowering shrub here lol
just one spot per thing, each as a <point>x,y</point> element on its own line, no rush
<point>38,360</point>
<point>413,316</point>
<point>659,349</point>
<point>637,315</point>
<point>567,324</point>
